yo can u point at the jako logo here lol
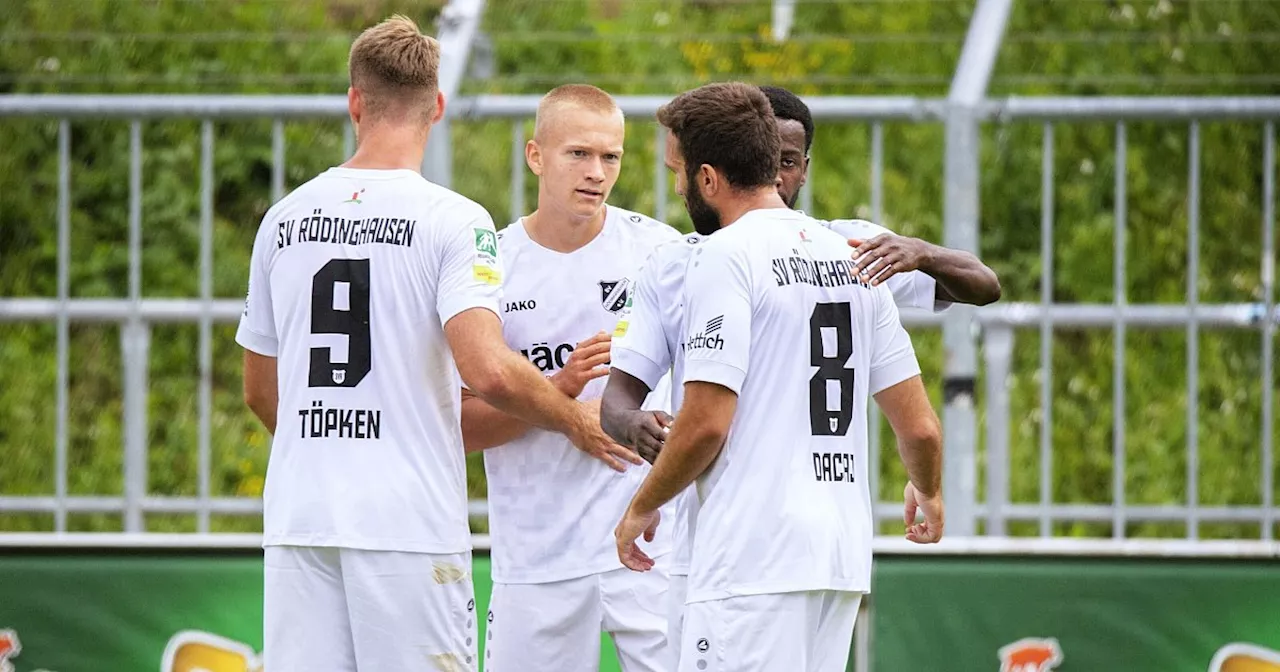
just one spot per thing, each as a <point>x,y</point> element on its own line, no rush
<point>708,338</point>
<point>1030,655</point>
<point>547,359</point>
<point>517,306</point>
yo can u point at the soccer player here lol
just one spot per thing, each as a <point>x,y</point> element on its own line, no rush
<point>570,266</point>
<point>652,343</point>
<point>946,275</point>
<point>371,292</point>
<point>784,344</point>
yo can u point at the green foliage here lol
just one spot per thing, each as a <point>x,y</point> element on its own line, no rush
<point>653,47</point>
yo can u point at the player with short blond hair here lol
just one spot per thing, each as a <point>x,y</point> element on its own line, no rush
<point>557,582</point>
<point>371,293</point>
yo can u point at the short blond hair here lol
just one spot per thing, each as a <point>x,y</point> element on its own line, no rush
<point>582,96</point>
<point>396,68</point>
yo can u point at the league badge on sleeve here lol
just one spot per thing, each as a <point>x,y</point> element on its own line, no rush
<point>485,267</point>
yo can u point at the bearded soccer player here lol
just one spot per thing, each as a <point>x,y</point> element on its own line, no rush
<point>371,291</point>
<point>652,342</point>
<point>782,541</point>
<point>570,266</point>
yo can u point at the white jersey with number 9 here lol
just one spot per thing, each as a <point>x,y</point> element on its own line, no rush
<point>352,279</point>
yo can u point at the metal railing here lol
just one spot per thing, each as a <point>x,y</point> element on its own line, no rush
<point>997,324</point>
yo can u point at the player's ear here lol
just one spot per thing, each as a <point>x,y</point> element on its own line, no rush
<point>533,157</point>
<point>439,113</point>
<point>354,105</point>
<point>710,180</point>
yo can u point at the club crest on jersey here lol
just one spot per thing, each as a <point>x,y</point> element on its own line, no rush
<point>614,294</point>
<point>339,375</point>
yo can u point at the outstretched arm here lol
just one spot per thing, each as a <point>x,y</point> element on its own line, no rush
<point>484,426</point>
<point>961,276</point>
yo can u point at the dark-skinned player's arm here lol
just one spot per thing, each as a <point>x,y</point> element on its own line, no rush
<point>641,357</point>
<point>961,276</point>
<point>718,305</point>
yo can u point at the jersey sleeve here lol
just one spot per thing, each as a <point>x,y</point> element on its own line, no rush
<point>718,311</point>
<point>470,269</point>
<point>640,345</point>
<point>916,289</point>
<point>893,358</point>
<point>257,330</point>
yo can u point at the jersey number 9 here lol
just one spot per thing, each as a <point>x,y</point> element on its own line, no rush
<point>351,320</point>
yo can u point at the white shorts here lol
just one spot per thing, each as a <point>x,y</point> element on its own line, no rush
<point>677,590</point>
<point>555,627</point>
<point>808,631</point>
<point>342,609</point>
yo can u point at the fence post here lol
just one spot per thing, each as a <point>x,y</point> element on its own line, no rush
<point>959,372</point>
<point>997,351</point>
<point>135,345</point>
<point>960,219</point>
<point>459,21</point>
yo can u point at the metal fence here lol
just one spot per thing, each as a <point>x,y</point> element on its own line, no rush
<point>996,324</point>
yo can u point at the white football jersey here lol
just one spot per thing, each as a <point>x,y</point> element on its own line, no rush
<point>352,278</point>
<point>774,312</point>
<point>647,342</point>
<point>552,507</point>
<point>910,290</point>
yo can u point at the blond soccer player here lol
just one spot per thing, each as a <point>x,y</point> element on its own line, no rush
<point>371,292</point>
<point>570,267</point>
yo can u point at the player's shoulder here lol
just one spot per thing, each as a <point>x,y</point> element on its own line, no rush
<point>643,226</point>
<point>675,251</point>
<point>448,204</point>
<point>855,228</point>
<point>513,236</point>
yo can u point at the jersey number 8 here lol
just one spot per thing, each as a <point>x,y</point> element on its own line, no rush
<point>822,420</point>
<point>351,321</point>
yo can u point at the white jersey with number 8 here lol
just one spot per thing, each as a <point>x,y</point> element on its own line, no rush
<point>774,312</point>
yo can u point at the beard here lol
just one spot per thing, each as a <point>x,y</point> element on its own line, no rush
<point>706,220</point>
<point>791,202</point>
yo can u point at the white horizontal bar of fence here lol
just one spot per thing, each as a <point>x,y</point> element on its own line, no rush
<point>880,545</point>
<point>850,108</point>
<point>1022,315</point>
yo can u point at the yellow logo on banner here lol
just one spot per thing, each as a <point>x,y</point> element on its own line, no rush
<point>1241,657</point>
<point>196,651</point>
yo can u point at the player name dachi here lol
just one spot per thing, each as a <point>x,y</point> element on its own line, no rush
<point>321,229</point>
<point>817,272</point>
<point>833,467</point>
<point>319,422</point>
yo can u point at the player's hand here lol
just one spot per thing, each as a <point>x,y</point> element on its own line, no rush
<point>646,431</point>
<point>591,439</point>
<point>888,254</point>
<point>930,531</point>
<point>588,361</point>
<point>632,526</point>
